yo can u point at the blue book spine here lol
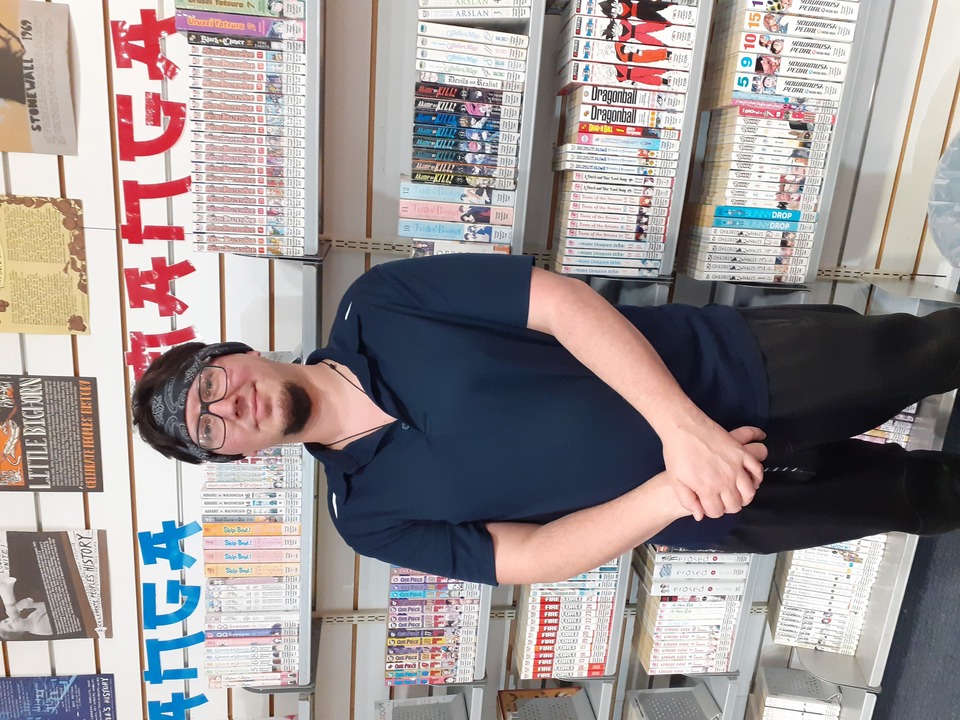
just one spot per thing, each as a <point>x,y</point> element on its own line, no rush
<point>754,224</point>
<point>758,213</point>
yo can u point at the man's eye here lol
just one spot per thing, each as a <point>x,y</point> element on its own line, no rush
<point>206,429</point>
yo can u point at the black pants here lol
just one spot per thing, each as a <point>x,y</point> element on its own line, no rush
<point>833,373</point>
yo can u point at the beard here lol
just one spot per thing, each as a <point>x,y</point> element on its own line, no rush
<point>297,408</point>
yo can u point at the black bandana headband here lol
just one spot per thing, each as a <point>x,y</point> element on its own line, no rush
<point>169,406</point>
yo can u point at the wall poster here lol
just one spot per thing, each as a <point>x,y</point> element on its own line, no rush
<point>59,697</point>
<point>43,266</point>
<point>49,434</point>
<point>36,100</point>
<point>54,585</point>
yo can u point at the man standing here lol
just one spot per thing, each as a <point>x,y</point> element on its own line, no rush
<point>482,419</point>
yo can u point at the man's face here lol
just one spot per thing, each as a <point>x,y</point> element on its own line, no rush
<point>263,406</point>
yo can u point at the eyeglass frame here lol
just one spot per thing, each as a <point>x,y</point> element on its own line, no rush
<point>205,405</point>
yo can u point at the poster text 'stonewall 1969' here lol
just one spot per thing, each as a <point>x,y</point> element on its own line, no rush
<point>36,101</point>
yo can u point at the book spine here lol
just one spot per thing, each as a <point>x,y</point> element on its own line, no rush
<point>616,115</point>
<point>245,529</point>
<point>439,167</point>
<point>787,86</point>
<point>480,59</point>
<point>468,158</point>
<point>474,13</point>
<point>516,77</point>
<point>425,210</point>
<point>606,244</point>
<point>826,9</point>
<point>796,26</point>
<point>282,555</point>
<point>464,181</point>
<point>629,54</point>
<point>787,46</point>
<point>251,569</point>
<point>471,3</point>
<point>465,107</point>
<point>630,97</point>
<point>471,196</point>
<point>469,232</point>
<point>577,73</point>
<point>614,173</point>
<point>472,34</point>
<point>264,8</point>
<point>679,13</point>
<point>585,26</point>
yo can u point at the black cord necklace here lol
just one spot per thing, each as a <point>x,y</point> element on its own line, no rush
<point>333,367</point>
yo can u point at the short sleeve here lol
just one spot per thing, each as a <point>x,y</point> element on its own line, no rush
<point>463,551</point>
<point>494,288</point>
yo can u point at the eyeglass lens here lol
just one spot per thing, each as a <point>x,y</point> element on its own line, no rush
<point>211,430</point>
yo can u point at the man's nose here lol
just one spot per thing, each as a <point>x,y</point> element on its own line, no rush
<point>225,407</point>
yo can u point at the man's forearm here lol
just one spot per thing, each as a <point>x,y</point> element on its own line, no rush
<point>713,470</point>
<point>595,333</point>
<point>585,539</point>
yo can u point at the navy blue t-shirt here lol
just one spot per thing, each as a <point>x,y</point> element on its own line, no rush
<point>496,422</point>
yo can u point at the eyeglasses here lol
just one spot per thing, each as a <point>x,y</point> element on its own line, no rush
<point>212,387</point>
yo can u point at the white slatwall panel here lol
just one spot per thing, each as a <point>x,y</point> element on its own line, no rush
<point>892,109</point>
<point>921,149</point>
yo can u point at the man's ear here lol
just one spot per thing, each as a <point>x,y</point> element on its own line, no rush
<point>255,353</point>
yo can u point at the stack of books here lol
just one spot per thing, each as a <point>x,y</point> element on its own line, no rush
<point>788,694</point>
<point>774,82</point>
<point>564,629</point>
<point>433,629</point>
<point>252,544</point>
<point>468,99</point>
<point>820,595</point>
<point>688,608</point>
<point>625,69</point>
<point>247,124</point>
<point>895,430</point>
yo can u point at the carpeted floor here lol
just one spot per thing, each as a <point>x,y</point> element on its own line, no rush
<point>921,679</point>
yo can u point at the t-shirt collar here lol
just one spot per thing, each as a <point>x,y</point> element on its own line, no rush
<point>361,451</point>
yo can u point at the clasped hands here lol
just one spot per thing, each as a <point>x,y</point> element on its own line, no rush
<point>713,471</point>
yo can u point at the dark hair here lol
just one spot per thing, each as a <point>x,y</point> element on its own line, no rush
<point>171,363</point>
<point>610,32</point>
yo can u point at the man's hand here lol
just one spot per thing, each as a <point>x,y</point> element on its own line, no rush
<point>714,471</point>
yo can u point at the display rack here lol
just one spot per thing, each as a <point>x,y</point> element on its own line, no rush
<point>686,152</point>
<point>391,156</point>
<point>395,59</point>
<point>865,668</point>
<point>853,116</point>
